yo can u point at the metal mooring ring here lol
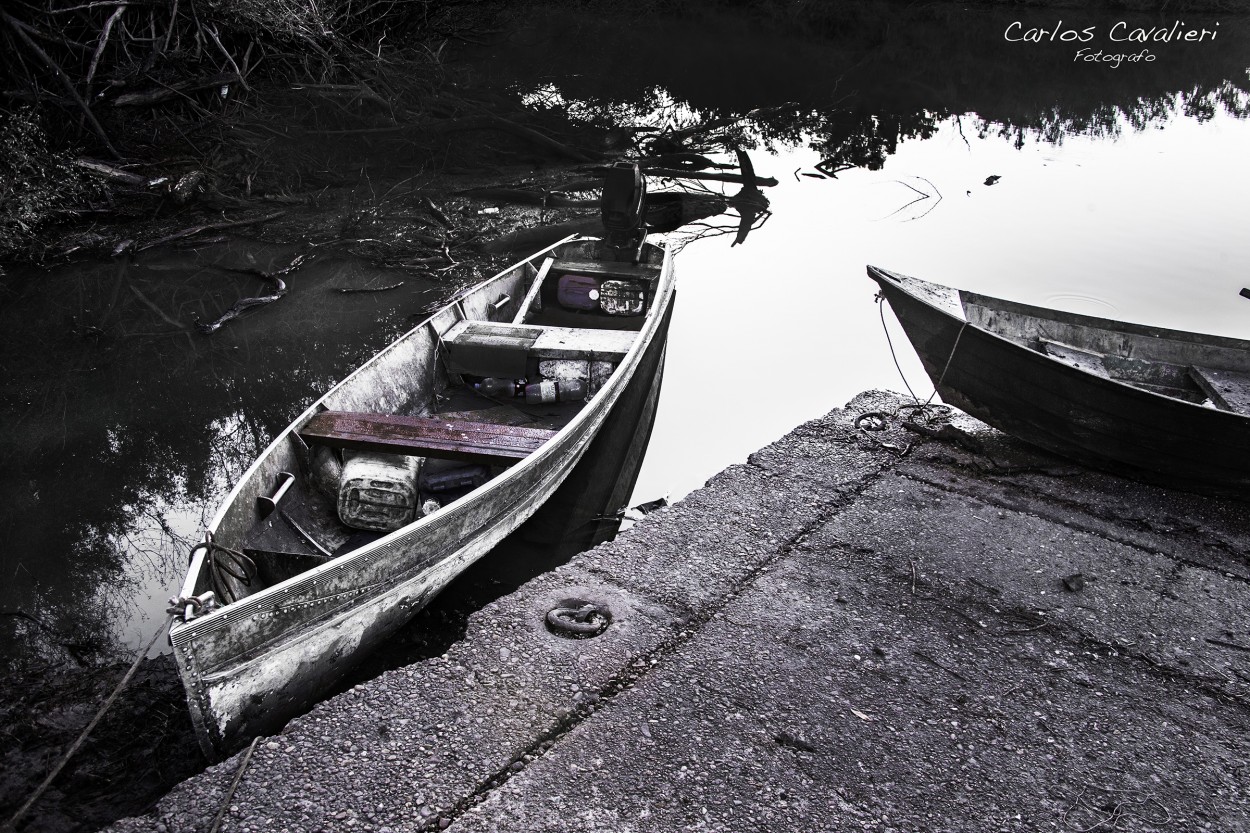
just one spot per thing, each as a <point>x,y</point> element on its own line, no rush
<point>872,421</point>
<point>578,619</point>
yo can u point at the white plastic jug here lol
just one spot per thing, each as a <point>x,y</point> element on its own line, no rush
<point>378,491</point>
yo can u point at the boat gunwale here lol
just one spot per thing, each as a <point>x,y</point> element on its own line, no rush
<point>186,631</point>
<point>878,274</point>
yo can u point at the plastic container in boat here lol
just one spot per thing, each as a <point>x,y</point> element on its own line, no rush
<point>492,386</point>
<point>536,393</point>
<point>549,390</point>
<point>577,292</point>
<point>622,298</point>
<point>460,477</point>
<point>378,491</point>
<point>327,471</point>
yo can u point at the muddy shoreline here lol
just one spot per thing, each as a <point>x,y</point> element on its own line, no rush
<point>145,744</point>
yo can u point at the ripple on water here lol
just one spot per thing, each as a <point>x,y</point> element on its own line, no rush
<point>1083,304</point>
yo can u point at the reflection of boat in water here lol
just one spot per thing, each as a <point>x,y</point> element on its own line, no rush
<point>404,474</point>
<point>1163,405</point>
<point>587,509</point>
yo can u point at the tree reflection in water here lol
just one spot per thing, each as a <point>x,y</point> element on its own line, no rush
<point>124,427</point>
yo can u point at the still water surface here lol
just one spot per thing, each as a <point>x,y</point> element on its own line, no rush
<point>1116,196</point>
<point>1146,227</point>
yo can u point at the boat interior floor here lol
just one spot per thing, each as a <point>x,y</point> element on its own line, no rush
<point>304,530</point>
<point>1226,390</point>
<point>464,402</point>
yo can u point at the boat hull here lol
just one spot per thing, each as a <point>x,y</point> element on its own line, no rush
<point>253,664</point>
<point>1098,421</point>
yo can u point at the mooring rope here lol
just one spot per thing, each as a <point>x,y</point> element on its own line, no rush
<point>223,564</point>
<point>881,308</point>
<point>889,341</point>
<point>947,366</point>
<point>234,785</point>
<point>11,824</point>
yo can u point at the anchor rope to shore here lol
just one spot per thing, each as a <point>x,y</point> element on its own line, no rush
<point>870,421</point>
<point>11,824</point>
<point>880,299</point>
<point>234,785</point>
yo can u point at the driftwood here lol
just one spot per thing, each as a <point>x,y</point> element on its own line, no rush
<point>19,29</point>
<point>347,290</point>
<point>437,213</point>
<point>666,211</point>
<point>110,173</point>
<point>536,238</point>
<point>244,304</point>
<point>189,232</point>
<point>684,161</point>
<point>147,302</point>
<point>102,40</point>
<point>677,173</point>
<point>357,92</point>
<point>146,98</point>
<point>745,178</point>
<point>239,307</point>
<point>520,196</point>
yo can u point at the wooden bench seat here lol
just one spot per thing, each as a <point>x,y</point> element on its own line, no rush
<point>446,439</point>
<point>1076,357</point>
<point>1228,389</point>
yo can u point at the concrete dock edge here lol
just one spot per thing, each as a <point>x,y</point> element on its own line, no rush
<point>852,630</point>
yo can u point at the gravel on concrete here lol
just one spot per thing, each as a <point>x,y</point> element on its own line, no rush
<point>854,630</point>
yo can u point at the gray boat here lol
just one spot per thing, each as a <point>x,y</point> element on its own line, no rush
<point>1162,405</point>
<point>407,472</point>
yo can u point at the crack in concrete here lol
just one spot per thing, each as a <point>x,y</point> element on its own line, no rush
<point>950,604</point>
<point>643,664</point>
<point>1058,516</point>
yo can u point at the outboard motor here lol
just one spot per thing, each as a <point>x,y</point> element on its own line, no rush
<point>624,209</point>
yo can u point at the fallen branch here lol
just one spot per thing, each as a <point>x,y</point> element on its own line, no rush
<point>104,37</point>
<point>238,308</point>
<point>683,161</point>
<point>936,664</point>
<point>152,306</point>
<point>210,227</point>
<point>499,123</point>
<point>520,196</point>
<point>674,173</point>
<point>111,173</point>
<point>212,33</point>
<point>1232,645</point>
<point>145,98</point>
<point>360,91</point>
<point>351,289</point>
<point>533,238</point>
<point>437,213</point>
<point>20,29</point>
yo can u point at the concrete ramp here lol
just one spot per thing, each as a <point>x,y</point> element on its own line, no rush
<point>929,629</point>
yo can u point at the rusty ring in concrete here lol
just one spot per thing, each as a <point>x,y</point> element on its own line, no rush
<point>578,619</point>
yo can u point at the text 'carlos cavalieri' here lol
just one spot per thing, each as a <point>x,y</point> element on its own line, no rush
<point>1119,33</point>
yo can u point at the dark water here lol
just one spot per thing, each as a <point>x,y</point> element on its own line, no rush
<point>1120,192</point>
